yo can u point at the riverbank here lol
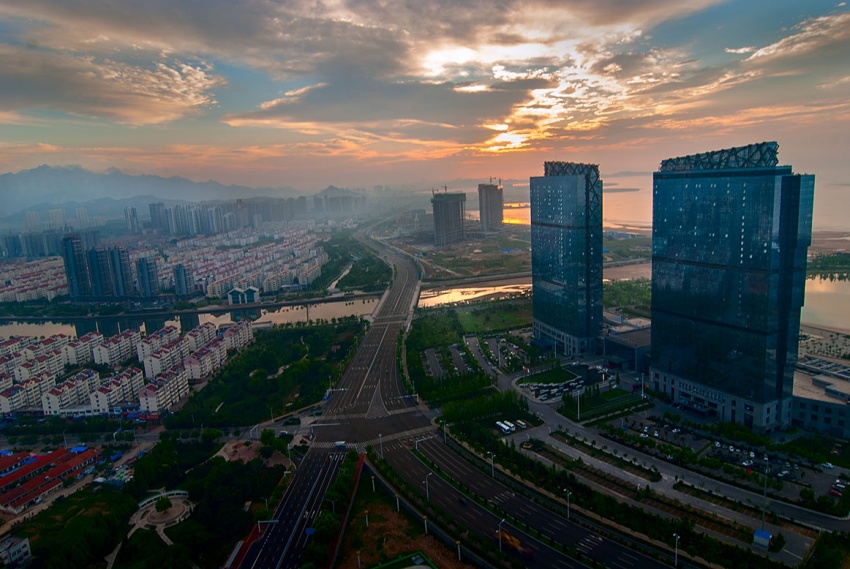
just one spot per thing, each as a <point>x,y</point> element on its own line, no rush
<point>171,314</point>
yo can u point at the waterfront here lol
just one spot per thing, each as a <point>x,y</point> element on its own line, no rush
<point>186,321</point>
<point>827,302</point>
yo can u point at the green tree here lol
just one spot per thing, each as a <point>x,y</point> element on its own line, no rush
<point>163,504</point>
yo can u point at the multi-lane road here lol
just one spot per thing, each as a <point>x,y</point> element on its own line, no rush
<point>371,407</point>
<point>286,535</point>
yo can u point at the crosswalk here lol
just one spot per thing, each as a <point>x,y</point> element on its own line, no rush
<point>411,434</point>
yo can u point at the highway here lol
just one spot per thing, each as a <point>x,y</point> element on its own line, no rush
<point>369,406</point>
<point>286,537</point>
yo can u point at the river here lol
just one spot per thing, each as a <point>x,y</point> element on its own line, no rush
<point>827,303</point>
<point>187,321</point>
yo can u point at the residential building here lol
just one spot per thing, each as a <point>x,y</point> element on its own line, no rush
<point>184,283</point>
<point>199,337</point>
<point>163,393</point>
<point>155,341</point>
<point>15,551</point>
<point>239,335</point>
<point>490,207</point>
<point>566,257</point>
<point>122,388</point>
<point>131,219</point>
<point>76,269</point>
<point>730,233</point>
<point>148,277</point>
<point>117,349</point>
<point>206,360</point>
<point>72,392</point>
<point>449,210</point>
<point>80,351</point>
<point>169,355</point>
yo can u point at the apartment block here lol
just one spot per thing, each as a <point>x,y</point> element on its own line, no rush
<point>163,393</point>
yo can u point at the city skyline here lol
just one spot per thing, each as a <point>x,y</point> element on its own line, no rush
<point>260,94</point>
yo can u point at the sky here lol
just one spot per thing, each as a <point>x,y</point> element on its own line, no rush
<point>412,92</point>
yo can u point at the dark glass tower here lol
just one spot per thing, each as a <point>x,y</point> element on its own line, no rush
<point>76,270</point>
<point>730,233</point>
<point>566,256</point>
<point>184,283</point>
<point>148,277</point>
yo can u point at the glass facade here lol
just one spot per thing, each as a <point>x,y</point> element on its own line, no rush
<point>566,256</point>
<point>728,277</point>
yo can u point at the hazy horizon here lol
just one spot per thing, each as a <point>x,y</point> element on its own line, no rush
<point>354,94</point>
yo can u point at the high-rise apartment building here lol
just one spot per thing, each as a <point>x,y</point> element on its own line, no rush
<point>449,212</point>
<point>159,222</point>
<point>131,218</point>
<point>566,257</point>
<point>76,270</point>
<point>490,207</point>
<point>148,276</point>
<point>109,271</point>
<point>184,282</point>
<point>730,233</point>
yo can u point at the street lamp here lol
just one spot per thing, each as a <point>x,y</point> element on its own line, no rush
<point>676,554</point>
<point>568,502</point>
<point>500,533</point>
<point>492,466</point>
<point>381,442</point>
<point>427,494</point>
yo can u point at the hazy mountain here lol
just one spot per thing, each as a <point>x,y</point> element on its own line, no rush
<point>73,186</point>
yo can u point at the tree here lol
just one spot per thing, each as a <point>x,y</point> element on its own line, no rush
<point>163,504</point>
<point>267,437</point>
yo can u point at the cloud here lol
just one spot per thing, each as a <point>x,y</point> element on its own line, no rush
<point>411,109</point>
<point>740,50</point>
<point>103,88</point>
<point>811,36</point>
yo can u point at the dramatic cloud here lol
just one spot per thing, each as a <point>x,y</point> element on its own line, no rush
<point>259,88</point>
<point>103,88</point>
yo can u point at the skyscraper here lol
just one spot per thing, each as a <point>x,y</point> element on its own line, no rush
<point>159,223</point>
<point>76,271</point>
<point>131,218</point>
<point>731,230</point>
<point>119,264</point>
<point>102,279</point>
<point>490,206</point>
<point>184,282</point>
<point>448,218</point>
<point>148,277</point>
<point>566,257</point>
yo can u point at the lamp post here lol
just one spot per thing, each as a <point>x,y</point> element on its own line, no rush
<point>500,534</point>
<point>492,466</point>
<point>676,554</point>
<point>381,442</point>
<point>568,502</point>
<point>427,494</point>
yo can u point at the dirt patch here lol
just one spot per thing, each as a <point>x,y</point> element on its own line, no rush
<point>388,537</point>
<point>241,451</point>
